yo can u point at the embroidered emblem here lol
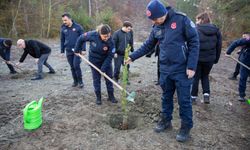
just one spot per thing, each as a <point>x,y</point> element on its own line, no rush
<point>105,48</point>
<point>173,25</point>
<point>74,29</point>
<point>148,13</point>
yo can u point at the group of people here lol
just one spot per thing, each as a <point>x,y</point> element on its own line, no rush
<point>186,54</point>
<point>102,49</point>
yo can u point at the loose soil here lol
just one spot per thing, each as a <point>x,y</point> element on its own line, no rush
<point>72,120</point>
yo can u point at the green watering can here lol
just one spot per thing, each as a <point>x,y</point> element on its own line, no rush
<point>32,115</point>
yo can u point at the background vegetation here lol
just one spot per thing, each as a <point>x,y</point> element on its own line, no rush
<point>42,18</point>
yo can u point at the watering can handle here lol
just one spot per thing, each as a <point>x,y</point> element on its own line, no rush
<point>27,106</point>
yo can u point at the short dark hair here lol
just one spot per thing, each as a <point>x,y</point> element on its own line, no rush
<point>7,42</point>
<point>246,33</point>
<point>127,24</point>
<point>66,15</point>
<point>104,29</point>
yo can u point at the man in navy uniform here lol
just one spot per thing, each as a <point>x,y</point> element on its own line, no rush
<point>39,51</point>
<point>70,31</point>
<point>179,50</point>
<point>245,59</point>
<point>5,45</point>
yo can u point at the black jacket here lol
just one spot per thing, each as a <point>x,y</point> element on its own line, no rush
<point>210,43</point>
<point>121,40</point>
<point>35,49</point>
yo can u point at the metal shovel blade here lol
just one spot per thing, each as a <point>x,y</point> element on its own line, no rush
<point>131,97</point>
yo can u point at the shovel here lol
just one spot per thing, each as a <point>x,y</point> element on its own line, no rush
<point>130,97</point>
<point>12,64</point>
<point>238,61</point>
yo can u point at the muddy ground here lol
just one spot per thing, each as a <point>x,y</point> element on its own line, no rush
<point>72,120</point>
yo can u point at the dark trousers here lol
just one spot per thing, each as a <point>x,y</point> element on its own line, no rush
<point>118,62</point>
<point>43,61</point>
<point>97,78</point>
<point>244,72</point>
<point>236,70</point>
<point>202,73</point>
<point>179,82</point>
<point>6,57</point>
<point>74,62</point>
<point>158,68</point>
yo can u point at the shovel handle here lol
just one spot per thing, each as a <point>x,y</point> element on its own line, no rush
<point>102,73</point>
<point>239,62</point>
<point>12,64</point>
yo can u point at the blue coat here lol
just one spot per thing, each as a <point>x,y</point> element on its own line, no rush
<point>69,36</point>
<point>245,52</point>
<point>4,51</point>
<point>178,41</point>
<point>100,52</point>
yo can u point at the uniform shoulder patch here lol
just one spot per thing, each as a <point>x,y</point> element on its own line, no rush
<point>181,13</point>
<point>192,24</point>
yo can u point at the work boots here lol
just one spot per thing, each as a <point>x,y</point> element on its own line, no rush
<point>194,99</point>
<point>162,124</point>
<point>206,98</point>
<point>111,97</point>
<point>98,98</point>
<point>80,83</point>
<point>232,77</point>
<point>183,135</point>
<point>75,83</point>
<point>12,70</point>
<point>242,99</point>
<point>52,71</point>
<point>38,77</point>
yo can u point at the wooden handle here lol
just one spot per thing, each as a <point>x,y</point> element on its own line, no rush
<point>239,62</point>
<point>102,73</point>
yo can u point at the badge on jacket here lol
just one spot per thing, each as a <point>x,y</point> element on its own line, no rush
<point>173,25</point>
<point>93,44</point>
<point>74,29</point>
<point>105,48</point>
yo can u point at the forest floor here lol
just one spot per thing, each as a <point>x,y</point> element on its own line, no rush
<point>72,120</point>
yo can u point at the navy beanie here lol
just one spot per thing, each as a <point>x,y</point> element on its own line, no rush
<point>155,9</point>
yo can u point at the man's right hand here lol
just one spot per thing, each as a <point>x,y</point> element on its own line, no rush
<point>62,55</point>
<point>128,61</point>
<point>17,64</point>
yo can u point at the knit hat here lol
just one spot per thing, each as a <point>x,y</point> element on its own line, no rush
<point>7,42</point>
<point>155,9</point>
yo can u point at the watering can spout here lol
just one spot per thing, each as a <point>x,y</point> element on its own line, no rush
<point>40,102</point>
<point>131,97</point>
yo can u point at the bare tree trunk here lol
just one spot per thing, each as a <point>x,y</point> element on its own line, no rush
<point>13,29</point>
<point>90,9</point>
<point>42,18</point>
<point>27,27</point>
<point>48,31</point>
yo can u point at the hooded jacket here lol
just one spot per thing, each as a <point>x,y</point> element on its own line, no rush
<point>210,43</point>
